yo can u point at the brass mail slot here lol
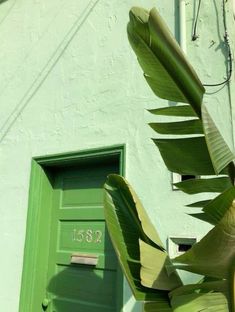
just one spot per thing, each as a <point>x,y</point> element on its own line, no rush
<point>87,259</point>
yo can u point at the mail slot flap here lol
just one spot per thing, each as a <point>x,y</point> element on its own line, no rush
<point>107,261</point>
<point>87,259</point>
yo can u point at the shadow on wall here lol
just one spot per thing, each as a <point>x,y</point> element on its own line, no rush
<point>82,288</point>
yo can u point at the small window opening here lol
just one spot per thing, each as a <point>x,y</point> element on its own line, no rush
<point>176,178</point>
<point>187,177</point>
<point>184,247</point>
<point>178,245</point>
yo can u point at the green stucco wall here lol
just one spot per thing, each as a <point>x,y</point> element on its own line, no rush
<point>69,82</point>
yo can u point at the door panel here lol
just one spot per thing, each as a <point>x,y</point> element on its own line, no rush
<point>78,229</point>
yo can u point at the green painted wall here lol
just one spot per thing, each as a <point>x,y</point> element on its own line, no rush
<point>69,81</point>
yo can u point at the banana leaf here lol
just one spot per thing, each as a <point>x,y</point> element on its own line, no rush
<point>128,223</point>
<point>195,302</point>
<point>181,127</point>
<point>199,204</point>
<point>156,306</point>
<point>213,255</point>
<point>203,286</point>
<point>217,207</point>
<point>209,294</point>
<point>187,156</point>
<point>231,282</point>
<point>153,273</point>
<point>221,155</point>
<point>177,110</point>
<point>165,67</point>
<point>194,186</point>
<point>204,296</point>
<point>203,217</point>
<point>170,76</point>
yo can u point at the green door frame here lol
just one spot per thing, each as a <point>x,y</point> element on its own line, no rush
<point>36,250</point>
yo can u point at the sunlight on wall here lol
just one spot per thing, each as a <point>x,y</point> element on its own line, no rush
<point>129,301</point>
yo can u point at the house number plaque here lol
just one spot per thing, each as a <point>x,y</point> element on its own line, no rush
<point>88,236</point>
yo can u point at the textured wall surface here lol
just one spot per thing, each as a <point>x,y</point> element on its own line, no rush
<point>68,82</point>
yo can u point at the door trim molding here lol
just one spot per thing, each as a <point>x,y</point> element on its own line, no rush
<point>40,190</point>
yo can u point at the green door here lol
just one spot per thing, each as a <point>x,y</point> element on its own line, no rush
<point>83,273</point>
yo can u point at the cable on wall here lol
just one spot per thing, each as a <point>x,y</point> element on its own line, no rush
<point>226,40</point>
<point>194,35</point>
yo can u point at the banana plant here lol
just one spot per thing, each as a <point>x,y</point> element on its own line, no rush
<point>200,150</point>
